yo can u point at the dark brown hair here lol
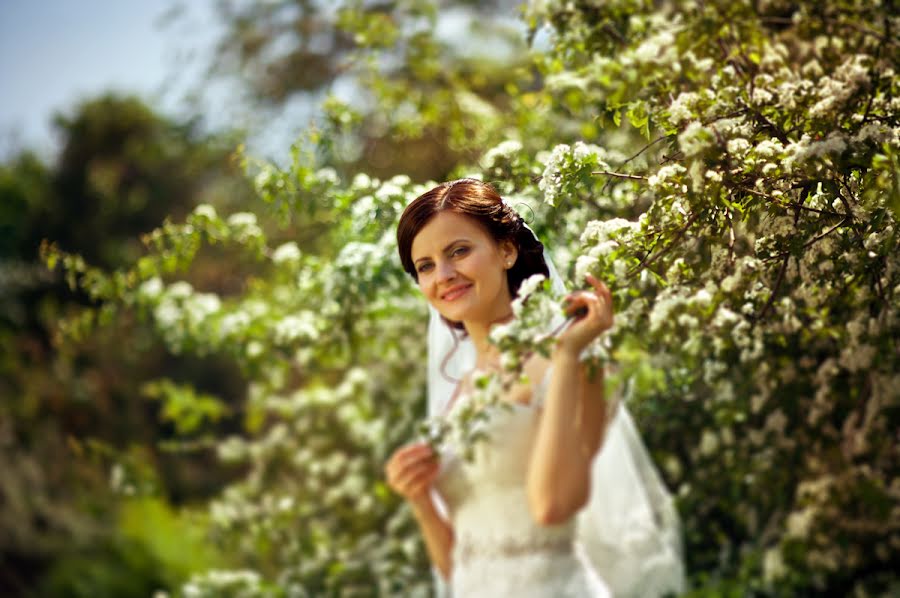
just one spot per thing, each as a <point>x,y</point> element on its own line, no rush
<point>478,200</point>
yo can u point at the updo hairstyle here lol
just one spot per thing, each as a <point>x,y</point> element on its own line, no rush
<point>479,201</point>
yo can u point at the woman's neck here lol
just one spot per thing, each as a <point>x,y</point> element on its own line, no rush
<point>486,354</point>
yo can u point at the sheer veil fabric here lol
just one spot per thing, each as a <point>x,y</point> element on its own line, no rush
<point>630,529</point>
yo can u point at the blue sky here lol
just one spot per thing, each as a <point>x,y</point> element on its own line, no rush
<point>56,52</point>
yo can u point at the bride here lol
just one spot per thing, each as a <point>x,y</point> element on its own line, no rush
<point>560,498</point>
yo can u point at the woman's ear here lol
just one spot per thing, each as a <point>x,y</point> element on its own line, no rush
<point>510,253</point>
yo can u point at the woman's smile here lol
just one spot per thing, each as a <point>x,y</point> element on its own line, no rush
<point>456,292</point>
<point>462,269</point>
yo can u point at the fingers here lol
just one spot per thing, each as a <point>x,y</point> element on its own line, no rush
<point>410,453</point>
<point>412,469</point>
<point>581,299</point>
<point>416,478</point>
<point>598,306</point>
<point>600,289</point>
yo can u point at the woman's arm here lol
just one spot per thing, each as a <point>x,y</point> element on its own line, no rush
<point>411,471</point>
<point>573,422</point>
<point>569,434</point>
<point>438,534</point>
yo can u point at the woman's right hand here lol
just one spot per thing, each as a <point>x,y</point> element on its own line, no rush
<point>411,471</point>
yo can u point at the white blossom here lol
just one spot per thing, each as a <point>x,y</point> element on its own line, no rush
<point>254,349</point>
<point>167,314</point>
<point>206,211</point>
<point>709,443</point>
<point>200,306</point>
<point>286,253</point>
<point>244,223</point>
<point>681,108</point>
<point>295,326</point>
<point>361,181</point>
<point>774,567</point>
<point>502,152</point>
<point>151,288</point>
<point>657,181</point>
<point>234,323</point>
<point>180,290</point>
<point>387,191</point>
<point>694,139</point>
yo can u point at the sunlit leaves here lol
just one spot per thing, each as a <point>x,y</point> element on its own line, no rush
<point>739,195</point>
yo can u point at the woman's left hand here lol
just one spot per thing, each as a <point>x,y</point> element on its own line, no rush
<point>599,317</point>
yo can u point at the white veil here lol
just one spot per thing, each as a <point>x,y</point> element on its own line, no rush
<point>630,529</point>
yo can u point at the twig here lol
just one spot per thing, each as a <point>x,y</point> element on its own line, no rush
<point>811,242</point>
<point>798,206</point>
<point>643,149</point>
<point>777,286</point>
<point>731,236</point>
<point>621,175</point>
<point>647,261</point>
<point>843,199</point>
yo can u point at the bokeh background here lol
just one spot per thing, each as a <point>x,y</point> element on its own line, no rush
<point>209,348</point>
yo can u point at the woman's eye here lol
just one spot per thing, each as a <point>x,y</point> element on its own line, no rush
<point>460,251</point>
<point>423,267</point>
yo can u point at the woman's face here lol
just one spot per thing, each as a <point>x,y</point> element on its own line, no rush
<point>462,269</point>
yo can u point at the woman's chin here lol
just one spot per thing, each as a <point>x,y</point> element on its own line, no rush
<point>454,313</point>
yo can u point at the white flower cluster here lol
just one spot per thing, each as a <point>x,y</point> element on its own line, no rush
<point>205,210</point>
<point>553,176</point>
<point>682,107</point>
<point>694,139</point>
<point>234,324</point>
<point>244,226</point>
<point>857,354</point>
<point>805,149</point>
<point>566,161</point>
<point>834,91</point>
<point>217,582</point>
<point>302,325</point>
<point>267,176</point>
<point>178,310</point>
<point>563,80</point>
<point>286,253</point>
<point>392,189</point>
<point>599,240</point>
<point>661,180</point>
<point>501,153</point>
<point>658,49</point>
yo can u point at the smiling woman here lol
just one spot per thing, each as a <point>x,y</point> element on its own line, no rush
<point>463,227</point>
<point>461,269</point>
<point>510,524</point>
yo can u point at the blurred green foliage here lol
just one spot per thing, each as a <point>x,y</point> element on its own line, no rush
<point>730,168</point>
<point>70,411</point>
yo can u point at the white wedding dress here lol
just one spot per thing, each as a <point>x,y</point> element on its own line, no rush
<point>498,549</point>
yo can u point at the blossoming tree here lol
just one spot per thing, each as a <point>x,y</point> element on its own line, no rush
<point>729,169</point>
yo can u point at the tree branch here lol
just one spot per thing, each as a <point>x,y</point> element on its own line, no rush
<point>621,175</point>
<point>775,289</point>
<point>798,206</point>
<point>647,261</point>
<point>643,149</point>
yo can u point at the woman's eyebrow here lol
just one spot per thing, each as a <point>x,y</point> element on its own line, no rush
<point>448,246</point>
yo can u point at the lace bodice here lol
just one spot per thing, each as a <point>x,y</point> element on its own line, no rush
<point>499,550</point>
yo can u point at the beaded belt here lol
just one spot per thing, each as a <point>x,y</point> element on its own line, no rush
<point>511,547</point>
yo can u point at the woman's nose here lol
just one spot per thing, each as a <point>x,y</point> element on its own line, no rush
<point>446,271</point>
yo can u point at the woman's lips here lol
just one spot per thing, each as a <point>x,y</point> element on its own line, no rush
<point>455,293</point>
